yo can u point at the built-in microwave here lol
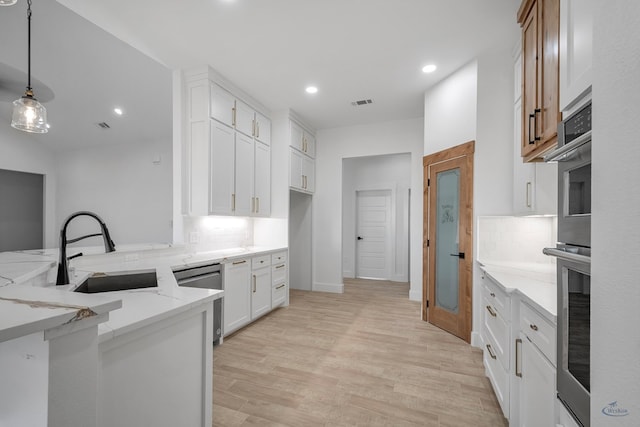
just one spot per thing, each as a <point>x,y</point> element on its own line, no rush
<point>574,178</point>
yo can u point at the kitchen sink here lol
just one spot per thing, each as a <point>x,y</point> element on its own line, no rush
<point>101,282</point>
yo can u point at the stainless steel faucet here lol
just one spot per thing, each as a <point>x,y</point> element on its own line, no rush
<point>63,264</point>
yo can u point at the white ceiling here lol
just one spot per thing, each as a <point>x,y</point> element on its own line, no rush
<point>272,49</point>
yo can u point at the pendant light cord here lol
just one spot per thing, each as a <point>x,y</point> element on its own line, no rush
<point>29,46</point>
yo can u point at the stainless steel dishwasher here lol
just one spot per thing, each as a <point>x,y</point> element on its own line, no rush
<point>204,277</point>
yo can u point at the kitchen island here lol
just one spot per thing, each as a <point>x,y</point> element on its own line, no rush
<point>153,356</point>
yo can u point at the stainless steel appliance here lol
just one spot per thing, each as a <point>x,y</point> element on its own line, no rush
<point>573,254</point>
<point>207,277</point>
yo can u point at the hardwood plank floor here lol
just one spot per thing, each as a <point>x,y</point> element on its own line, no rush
<point>362,358</point>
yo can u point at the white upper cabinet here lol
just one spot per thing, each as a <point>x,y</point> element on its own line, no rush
<point>244,118</point>
<point>262,180</point>
<point>222,170</point>
<point>576,50</point>
<point>222,105</point>
<point>244,173</point>
<point>296,179</point>
<point>302,140</point>
<point>262,129</point>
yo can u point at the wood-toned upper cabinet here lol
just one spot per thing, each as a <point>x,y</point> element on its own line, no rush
<point>540,21</point>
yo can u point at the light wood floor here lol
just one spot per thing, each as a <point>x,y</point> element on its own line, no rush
<point>362,358</point>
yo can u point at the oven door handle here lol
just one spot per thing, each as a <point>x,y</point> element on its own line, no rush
<point>567,256</point>
<point>563,152</point>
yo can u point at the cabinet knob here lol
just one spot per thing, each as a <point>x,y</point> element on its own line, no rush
<point>534,327</point>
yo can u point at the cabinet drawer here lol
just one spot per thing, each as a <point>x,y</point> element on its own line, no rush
<point>278,293</point>
<point>497,328</point>
<point>279,272</point>
<point>278,257</point>
<point>498,376</point>
<point>498,298</point>
<point>540,331</point>
<point>261,261</point>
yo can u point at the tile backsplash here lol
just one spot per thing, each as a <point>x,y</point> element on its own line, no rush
<point>506,239</point>
<point>212,233</point>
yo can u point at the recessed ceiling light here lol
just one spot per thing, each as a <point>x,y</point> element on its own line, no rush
<point>311,89</point>
<point>118,111</point>
<point>429,68</point>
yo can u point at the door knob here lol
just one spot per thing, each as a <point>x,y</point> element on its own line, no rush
<point>459,255</point>
<point>360,238</point>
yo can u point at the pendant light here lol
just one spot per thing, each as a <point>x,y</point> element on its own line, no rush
<point>28,114</point>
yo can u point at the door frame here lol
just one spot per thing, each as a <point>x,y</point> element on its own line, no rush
<point>390,249</point>
<point>466,211</point>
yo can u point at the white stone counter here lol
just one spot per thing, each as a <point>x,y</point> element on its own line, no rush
<point>535,283</point>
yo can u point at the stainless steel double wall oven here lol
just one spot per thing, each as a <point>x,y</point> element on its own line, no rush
<point>573,253</point>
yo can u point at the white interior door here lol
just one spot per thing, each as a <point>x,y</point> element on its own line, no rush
<point>373,245</point>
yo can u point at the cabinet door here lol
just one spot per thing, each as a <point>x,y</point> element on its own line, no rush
<point>262,181</point>
<point>524,174</point>
<point>295,169</point>
<point>221,105</point>
<point>530,80</point>
<point>237,295</point>
<point>260,292</point>
<point>263,129</point>
<point>243,175</point>
<point>309,173</point>
<point>309,144</point>
<point>297,137</point>
<point>222,169</point>
<point>548,54</point>
<point>244,118</point>
<point>537,388</point>
<point>576,53</point>
<point>198,156</point>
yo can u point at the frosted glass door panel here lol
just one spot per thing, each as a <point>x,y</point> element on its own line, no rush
<point>447,239</point>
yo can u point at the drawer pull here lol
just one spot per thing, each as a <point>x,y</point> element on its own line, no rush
<point>280,287</point>
<point>518,366</point>
<point>491,312</point>
<point>491,353</point>
<point>492,294</point>
<point>280,266</point>
<point>240,262</point>
<point>255,280</point>
<point>534,327</point>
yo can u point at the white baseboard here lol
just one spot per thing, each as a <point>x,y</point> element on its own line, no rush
<point>415,295</point>
<point>476,340</point>
<point>336,288</point>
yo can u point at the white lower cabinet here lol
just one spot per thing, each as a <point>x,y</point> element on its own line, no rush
<point>260,291</point>
<point>237,295</point>
<point>537,386</point>
<point>252,288</point>
<point>519,354</point>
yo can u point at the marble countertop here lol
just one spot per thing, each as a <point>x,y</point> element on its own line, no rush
<point>536,283</point>
<point>140,307</point>
<point>26,309</point>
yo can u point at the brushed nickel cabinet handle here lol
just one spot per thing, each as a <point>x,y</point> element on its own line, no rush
<point>255,279</point>
<point>528,194</point>
<point>491,353</point>
<point>233,116</point>
<point>518,361</point>
<point>491,312</point>
<point>280,266</point>
<point>240,262</point>
<point>534,327</point>
<point>280,287</point>
<point>233,202</point>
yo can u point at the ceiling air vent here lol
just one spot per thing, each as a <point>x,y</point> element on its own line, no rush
<point>361,102</point>
<point>104,125</point>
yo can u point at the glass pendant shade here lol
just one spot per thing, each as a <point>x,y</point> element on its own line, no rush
<point>29,115</point>
<point>8,2</point>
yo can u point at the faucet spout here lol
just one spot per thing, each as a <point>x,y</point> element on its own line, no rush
<point>63,264</point>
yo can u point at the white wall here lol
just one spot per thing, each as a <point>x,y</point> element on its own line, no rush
<point>333,145</point>
<point>391,172</point>
<point>123,185</point>
<point>615,226</point>
<point>25,152</point>
<point>476,103</point>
